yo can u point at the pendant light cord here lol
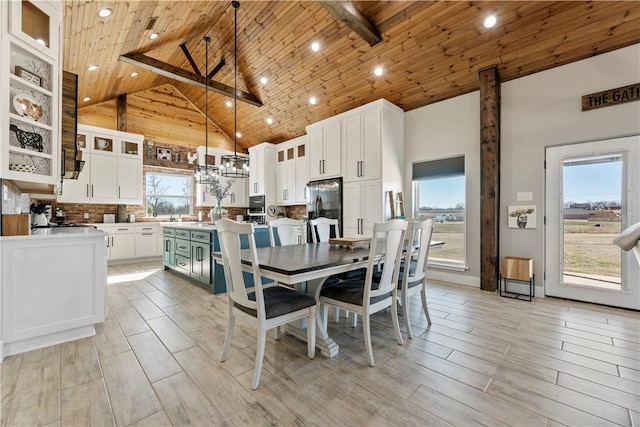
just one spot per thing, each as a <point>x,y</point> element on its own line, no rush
<point>206,99</point>
<point>235,5</point>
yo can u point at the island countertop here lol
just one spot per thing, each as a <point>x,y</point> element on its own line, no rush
<point>197,225</point>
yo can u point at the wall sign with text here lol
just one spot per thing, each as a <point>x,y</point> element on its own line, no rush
<point>611,97</point>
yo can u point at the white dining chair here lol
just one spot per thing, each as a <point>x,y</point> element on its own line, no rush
<point>362,295</point>
<point>413,280</point>
<point>321,232</point>
<point>321,229</point>
<point>284,229</point>
<point>265,307</point>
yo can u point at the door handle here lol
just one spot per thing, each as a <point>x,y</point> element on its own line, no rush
<point>91,190</point>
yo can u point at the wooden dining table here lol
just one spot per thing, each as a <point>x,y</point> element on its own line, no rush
<point>303,267</point>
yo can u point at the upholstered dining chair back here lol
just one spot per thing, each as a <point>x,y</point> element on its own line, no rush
<point>284,228</point>
<point>321,229</point>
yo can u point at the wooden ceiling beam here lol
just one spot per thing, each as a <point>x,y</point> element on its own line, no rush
<point>353,19</point>
<point>176,73</point>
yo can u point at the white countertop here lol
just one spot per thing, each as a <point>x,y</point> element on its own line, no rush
<point>58,232</point>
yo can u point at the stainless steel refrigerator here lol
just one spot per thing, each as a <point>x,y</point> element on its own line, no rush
<point>325,200</point>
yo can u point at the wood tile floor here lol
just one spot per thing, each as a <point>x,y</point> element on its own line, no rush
<point>485,360</point>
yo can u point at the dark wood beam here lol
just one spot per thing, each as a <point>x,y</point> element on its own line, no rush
<point>186,52</point>
<point>216,69</point>
<point>489,178</point>
<point>353,19</point>
<point>173,72</point>
<point>121,112</point>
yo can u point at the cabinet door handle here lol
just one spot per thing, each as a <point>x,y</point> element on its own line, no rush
<point>91,190</point>
<point>166,246</point>
<point>323,167</point>
<point>147,234</point>
<point>361,167</point>
<point>87,190</point>
<point>320,166</point>
<point>119,192</point>
<point>112,241</point>
<point>255,187</point>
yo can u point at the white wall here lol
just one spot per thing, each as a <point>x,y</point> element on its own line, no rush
<point>540,110</point>
<point>447,129</point>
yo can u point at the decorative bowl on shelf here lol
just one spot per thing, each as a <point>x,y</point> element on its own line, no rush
<point>22,168</point>
<point>26,106</point>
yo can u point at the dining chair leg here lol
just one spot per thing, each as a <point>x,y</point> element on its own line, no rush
<point>229,336</point>
<point>262,338</point>
<point>396,322</point>
<point>405,313</point>
<point>366,327</point>
<point>311,333</point>
<point>423,294</point>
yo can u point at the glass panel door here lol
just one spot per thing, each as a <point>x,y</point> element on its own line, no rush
<point>592,194</point>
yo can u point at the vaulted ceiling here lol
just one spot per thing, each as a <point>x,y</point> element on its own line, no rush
<point>430,51</point>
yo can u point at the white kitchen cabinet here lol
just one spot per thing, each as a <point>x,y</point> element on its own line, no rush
<point>30,67</point>
<point>363,146</point>
<point>103,177</point>
<point>53,288</point>
<point>112,171</point>
<point>129,241</point>
<point>262,170</point>
<point>325,149</point>
<point>146,241</point>
<point>363,204</point>
<point>291,170</point>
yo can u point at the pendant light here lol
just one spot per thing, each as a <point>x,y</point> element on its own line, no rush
<point>205,173</point>
<point>234,166</point>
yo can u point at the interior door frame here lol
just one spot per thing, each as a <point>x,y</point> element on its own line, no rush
<point>629,147</point>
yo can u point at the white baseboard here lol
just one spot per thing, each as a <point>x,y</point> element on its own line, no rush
<point>459,279</point>
<point>29,344</point>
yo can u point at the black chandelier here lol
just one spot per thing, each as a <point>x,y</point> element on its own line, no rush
<point>205,173</point>
<point>234,166</point>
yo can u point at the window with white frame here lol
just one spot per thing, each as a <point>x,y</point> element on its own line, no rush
<point>169,194</point>
<point>439,192</point>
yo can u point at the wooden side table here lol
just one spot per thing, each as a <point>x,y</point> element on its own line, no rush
<point>519,270</point>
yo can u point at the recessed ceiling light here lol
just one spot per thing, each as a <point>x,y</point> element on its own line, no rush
<point>378,71</point>
<point>313,100</point>
<point>42,42</point>
<point>92,67</point>
<point>154,36</point>
<point>263,80</point>
<point>134,74</point>
<point>315,46</point>
<point>269,121</point>
<point>490,21</point>
<point>103,13</point>
<point>238,134</point>
<point>228,104</point>
<point>85,99</point>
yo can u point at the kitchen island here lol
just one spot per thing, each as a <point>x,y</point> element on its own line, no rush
<point>53,286</point>
<point>187,248</point>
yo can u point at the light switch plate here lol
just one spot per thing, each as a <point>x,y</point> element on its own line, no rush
<point>525,196</point>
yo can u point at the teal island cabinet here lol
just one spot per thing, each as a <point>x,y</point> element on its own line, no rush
<point>187,250</point>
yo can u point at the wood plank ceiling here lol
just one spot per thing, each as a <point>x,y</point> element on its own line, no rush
<point>430,51</point>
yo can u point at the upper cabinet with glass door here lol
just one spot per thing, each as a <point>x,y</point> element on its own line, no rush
<point>30,82</point>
